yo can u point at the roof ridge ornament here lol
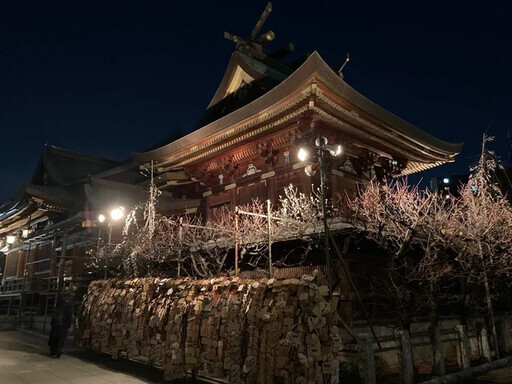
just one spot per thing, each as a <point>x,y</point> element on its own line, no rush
<point>254,42</point>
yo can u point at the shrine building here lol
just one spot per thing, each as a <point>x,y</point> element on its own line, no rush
<point>263,111</point>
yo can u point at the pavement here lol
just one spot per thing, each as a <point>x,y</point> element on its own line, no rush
<point>497,376</point>
<point>25,359</point>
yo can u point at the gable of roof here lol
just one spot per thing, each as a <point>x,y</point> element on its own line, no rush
<point>246,79</point>
<point>58,166</point>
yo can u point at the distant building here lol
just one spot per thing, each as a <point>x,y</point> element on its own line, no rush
<point>47,230</point>
<point>448,185</point>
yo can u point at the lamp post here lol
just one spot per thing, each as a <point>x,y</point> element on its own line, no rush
<point>116,214</point>
<point>323,149</point>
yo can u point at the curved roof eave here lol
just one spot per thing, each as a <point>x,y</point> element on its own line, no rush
<point>340,87</point>
<point>313,66</point>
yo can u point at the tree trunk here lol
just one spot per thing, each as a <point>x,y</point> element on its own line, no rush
<point>438,366</point>
<point>465,303</point>
<point>488,298</point>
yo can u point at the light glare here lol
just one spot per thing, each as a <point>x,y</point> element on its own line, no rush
<point>337,150</point>
<point>117,213</point>
<point>101,218</point>
<point>303,154</point>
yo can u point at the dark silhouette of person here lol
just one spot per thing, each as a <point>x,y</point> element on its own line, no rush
<point>61,321</point>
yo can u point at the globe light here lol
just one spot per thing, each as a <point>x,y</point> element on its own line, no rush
<point>303,154</point>
<point>101,218</point>
<point>117,213</point>
<point>334,149</point>
<point>446,180</point>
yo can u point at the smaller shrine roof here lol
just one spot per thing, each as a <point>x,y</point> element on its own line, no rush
<point>59,166</point>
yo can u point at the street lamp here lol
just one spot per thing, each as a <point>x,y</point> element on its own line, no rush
<point>116,214</point>
<point>323,149</point>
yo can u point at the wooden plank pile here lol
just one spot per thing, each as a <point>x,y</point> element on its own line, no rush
<point>241,330</point>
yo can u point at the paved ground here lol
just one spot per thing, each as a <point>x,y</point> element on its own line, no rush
<point>498,376</point>
<point>24,359</point>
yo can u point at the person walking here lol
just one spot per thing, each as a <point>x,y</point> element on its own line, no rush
<point>60,323</point>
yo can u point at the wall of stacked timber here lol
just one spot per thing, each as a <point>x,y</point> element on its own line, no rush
<point>240,330</point>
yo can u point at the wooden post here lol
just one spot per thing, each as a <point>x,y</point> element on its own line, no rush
<point>60,280</point>
<point>463,350</point>
<point>484,343</point>
<point>46,306</point>
<point>488,299</point>
<point>407,363</point>
<point>366,359</point>
<point>109,248</point>
<point>269,226</point>
<point>236,241</point>
<point>180,245</point>
<point>438,366</point>
<point>501,331</point>
<point>23,285</point>
<point>31,317</point>
<point>353,285</point>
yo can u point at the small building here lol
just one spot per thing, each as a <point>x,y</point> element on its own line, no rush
<point>50,231</point>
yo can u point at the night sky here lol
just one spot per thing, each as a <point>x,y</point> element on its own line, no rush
<point>113,78</point>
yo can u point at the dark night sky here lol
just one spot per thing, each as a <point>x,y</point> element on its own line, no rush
<point>113,78</point>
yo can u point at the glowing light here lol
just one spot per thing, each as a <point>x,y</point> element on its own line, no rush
<point>101,218</point>
<point>320,141</point>
<point>446,180</point>
<point>10,239</point>
<point>303,154</point>
<point>25,233</point>
<point>334,149</point>
<point>117,213</point>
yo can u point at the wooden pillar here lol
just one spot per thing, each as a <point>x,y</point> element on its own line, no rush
<point>438,366</point>
<point>366,359</point>
<point>484,345</point>
<point>9,307</point>
<point>60,278</point>
<point>501,329</point>
<point>205,206</point>
<point>346,308</point>
<point>407,363</point>
<point>463,349</point>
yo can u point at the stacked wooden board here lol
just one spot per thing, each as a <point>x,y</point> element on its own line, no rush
<point>240,330</point>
